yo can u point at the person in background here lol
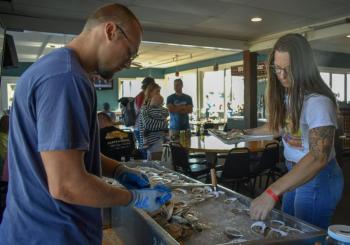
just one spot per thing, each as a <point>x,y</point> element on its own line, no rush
<point>154,125</point>
<point>106,109</point>
<point>54,156</point>
<point>4,129</point>
<point>179,106</point>
<point>152,89</point>
<point>139,99</point>
<point>303,110</point>
<point>114,142</point>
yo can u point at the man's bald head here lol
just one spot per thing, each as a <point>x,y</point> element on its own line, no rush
<point>109,41</point>
<point>112,12</point>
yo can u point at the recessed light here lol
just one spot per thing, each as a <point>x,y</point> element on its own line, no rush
<point>348,36</point>
<point>256,19</point>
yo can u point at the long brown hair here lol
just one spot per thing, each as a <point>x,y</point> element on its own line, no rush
<point>305,79</point>
<point>150,88</point>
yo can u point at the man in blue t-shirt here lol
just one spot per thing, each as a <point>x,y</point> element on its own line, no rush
<point>179,106</point>
<point>55,192</point>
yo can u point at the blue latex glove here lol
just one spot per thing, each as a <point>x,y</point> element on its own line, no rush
<point>150,199</point>
<point>131,178</point>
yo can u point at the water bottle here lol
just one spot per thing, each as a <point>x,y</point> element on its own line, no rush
<point>338,235</point>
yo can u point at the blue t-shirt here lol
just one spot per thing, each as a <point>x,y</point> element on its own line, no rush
<point>54,108</point>
<point>179,121</point>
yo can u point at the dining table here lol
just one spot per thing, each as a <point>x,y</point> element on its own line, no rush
<point>212,145</point>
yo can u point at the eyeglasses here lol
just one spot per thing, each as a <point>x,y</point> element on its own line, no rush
<point>132,55</point>
<point>278,70</point>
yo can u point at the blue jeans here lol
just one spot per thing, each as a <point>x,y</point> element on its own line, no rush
<point>315,201</point>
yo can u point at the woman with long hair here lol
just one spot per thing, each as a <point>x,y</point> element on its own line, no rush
<point>303,110</point>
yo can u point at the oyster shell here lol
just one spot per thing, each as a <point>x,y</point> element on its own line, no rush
<point>232,233</point>
<point>276,223</point>
<point>180,191</point>
<point>167,210</point>
<point>191,218</point>
<point>197,190</point>
<point>230,200</point>
<point>275,233</point>
<point>258,227</point>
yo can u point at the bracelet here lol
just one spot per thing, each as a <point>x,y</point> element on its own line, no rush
<point>275,197</point>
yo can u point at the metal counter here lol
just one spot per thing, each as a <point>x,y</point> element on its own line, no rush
<point>135,226</point>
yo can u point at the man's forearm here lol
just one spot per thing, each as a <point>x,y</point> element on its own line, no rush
<point>186,109</point>
<point>92,191</point>
<point>108,166</point>
<point>183,109</point>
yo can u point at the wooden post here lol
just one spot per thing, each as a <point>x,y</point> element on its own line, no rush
<point>250,89</point>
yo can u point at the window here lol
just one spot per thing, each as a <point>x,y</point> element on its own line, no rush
<point>261,104</point>
<point>189,86</point>
<point>326,78</point>
<point>213,94</point>
<point>234,93</point>
<point>237,95</point>
<point>130,88</point>
<point>338,85</point>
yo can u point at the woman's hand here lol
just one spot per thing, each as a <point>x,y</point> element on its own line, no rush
<point>261,206</point>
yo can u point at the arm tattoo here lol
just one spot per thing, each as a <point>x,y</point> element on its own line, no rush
<point>321,141</point>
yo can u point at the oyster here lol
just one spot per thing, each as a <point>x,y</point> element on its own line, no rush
<point>258,227</point>
<point>275,234</point>
<point>167,210</point>
<point>276,223</point>
<point>232,233</point>
<point>197,190</point>
<point>197,200</point>
<point>234,241</point>
<point>244,211</point>
<point>178,219</point>
<point>211,195</point>
<point>190,217</point>
<point>180,191</point>
<point>230,200</point>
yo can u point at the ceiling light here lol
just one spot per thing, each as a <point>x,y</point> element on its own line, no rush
<point>348,36</point>
<point>256,19</point>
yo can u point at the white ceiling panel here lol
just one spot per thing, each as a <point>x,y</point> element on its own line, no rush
<point>219,23</point>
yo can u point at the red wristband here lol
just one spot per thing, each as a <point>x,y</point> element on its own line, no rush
<point>272,195</point>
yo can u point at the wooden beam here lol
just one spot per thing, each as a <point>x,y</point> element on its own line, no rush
<point>250,89</point>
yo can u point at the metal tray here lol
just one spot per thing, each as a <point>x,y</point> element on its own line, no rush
<point>227,139</point>
<point>137,227</point>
